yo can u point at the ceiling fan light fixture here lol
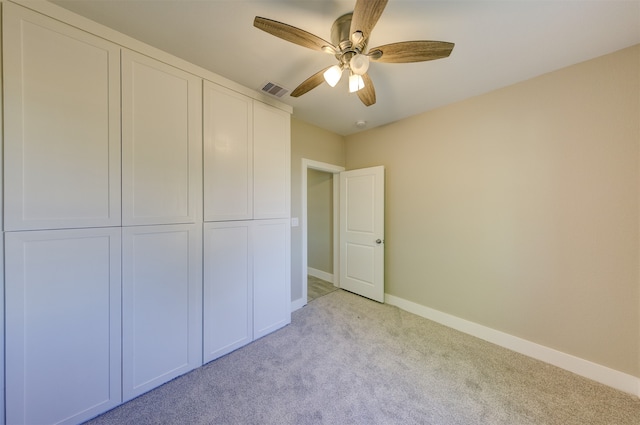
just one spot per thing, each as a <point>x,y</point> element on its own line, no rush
<point>349,43</point>
<point>333,75</point>
<point>355,83</point>
<point>359,64</point>
<point>357,37</point>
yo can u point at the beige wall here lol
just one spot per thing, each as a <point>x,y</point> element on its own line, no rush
<point>518,209</point>
<point>320,220</point>
<point>308,142</point>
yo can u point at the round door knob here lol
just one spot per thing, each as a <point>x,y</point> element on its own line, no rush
<point>378,241</point>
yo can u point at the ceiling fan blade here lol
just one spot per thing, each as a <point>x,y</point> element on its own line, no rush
<point>367,94</point>
<point>411,51</point>
<point>310,83</point>
<point>365,15</point>
<point>293,34</point>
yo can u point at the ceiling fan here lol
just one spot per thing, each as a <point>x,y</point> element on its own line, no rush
<point>349,38</point>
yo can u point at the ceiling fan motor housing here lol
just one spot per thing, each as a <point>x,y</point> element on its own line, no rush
<point>341,38</point>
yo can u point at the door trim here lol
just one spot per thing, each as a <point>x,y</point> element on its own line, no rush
<point>335,170</point>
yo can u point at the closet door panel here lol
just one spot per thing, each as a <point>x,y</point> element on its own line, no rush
<point>62,124</point>
<point>161,143</point>
<point>272,159</point>
<point>227,288</point>
<point>228,154</point>
<point>271,276</point>
<point>63,334</point>
<point>162,305</point>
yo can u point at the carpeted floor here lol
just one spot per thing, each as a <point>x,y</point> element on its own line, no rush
<point>348,360</point>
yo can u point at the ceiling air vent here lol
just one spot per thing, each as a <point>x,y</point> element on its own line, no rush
<point>274,89</point>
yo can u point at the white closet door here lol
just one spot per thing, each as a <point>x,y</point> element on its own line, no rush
<point>271,276</point>
<point>162,304</point>
<point>227,288</point>
<point>228,154</point>
<point>272,159</point>
<point>63,352</point>
<point>62,124</point>
<point>161,143</point>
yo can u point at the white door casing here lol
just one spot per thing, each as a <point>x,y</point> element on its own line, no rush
<point>308,164</point>
<point>362,232</point>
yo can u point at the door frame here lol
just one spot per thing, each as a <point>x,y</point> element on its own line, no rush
<point>308,164</point>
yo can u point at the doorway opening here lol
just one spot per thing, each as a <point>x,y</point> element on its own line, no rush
<point>324,177</point>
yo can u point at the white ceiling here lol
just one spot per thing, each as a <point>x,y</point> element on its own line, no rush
<point>497,43</point>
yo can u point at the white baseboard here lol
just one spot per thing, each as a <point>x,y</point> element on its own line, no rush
<point>297,304</point>
<point>610,377</point>
<point>320,274</point>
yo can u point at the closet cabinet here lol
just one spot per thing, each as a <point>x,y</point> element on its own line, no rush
<point>271,162</point>
<point>62,124</point>
<point>161,143</point>
<point>162,304</point>
<point>228,154</point>
<point>162,189</point>
<point>62,324</point>
<point>271,276</point>
<point>246,213</point>
<point>246,282</point>
<point>135,247</point>
<point>247,157</point>
<point>228,287</point>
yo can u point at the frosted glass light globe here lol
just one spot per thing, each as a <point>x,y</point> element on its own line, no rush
<point>333,75</point>
<point>359,64</point>
<point>355,83</point>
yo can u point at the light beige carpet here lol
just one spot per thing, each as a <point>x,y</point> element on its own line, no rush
<point>348,360</point>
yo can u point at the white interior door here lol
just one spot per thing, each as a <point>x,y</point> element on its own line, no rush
<point>362,232</point>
